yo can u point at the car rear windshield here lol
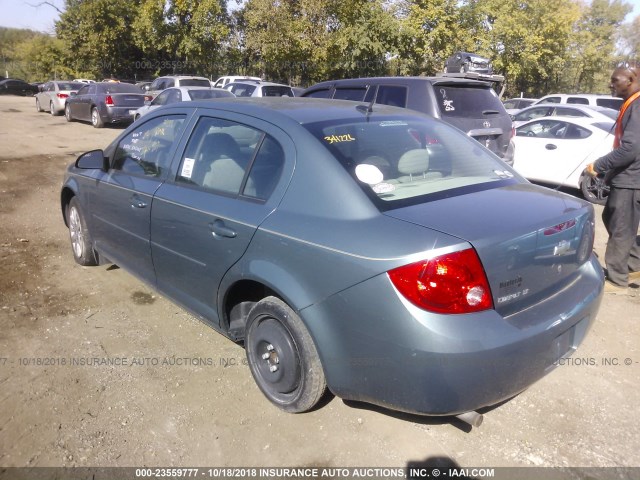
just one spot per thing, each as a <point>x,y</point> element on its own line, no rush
<point>204,94</point>
<point>70,86</point>
<point>400,161</point>
<point>466,101</point>
<point>120,88</point>
<point>195,82</point>
<point>276,91</point>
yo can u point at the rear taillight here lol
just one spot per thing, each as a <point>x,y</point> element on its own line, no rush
<point>451,283</point>
<point>513,132</point>
<point>62,95</point>
<point>148,98</point>
<point>108,101</point>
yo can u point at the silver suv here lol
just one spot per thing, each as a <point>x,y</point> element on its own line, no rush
<point>162,83</point>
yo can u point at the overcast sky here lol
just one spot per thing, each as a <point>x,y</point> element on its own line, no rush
<point>37,15</point>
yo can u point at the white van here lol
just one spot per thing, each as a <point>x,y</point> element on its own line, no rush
<point>583,99</point>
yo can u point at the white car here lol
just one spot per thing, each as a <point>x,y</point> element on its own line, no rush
<point>224,81</point>
<point>601,114</point>
<point>181,94</point>
<point>556,150</point>
<point>583,99</point>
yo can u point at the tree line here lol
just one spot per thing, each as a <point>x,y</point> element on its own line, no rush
<point>539,46</point>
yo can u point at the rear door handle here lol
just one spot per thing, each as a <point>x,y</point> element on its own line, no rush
<point>219,229</point>
<point>137,202</point>
<point>550,146</point>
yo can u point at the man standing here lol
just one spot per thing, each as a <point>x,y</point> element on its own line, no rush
<point>621,167</point>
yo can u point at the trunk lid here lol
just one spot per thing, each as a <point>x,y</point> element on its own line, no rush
<point>531,241</point>
<point>127,99</point>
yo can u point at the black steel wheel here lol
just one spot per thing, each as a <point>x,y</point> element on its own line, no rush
<point>594,189</point>
<point>282,357</point>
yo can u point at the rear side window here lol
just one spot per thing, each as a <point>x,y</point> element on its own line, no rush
<point>393,95</point>
<point>578,100</point>
<point>466,101</point>
<point>356,94</point>
<point>614,103</point>
<point>232,159</point>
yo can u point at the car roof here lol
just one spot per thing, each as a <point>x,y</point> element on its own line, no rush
<point>402,80</point>
<point>300,110</point>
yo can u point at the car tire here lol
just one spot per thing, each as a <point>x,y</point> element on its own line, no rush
<point>594,190</point>
<point>81,242</point>
<point>38,106</point>
<point>67,113</point>
<point>96,119</point>
<point>282,357</point>
<point>52,110</point>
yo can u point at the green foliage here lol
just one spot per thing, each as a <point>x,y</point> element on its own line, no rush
<point>98,38</point>
<point>181,36</point>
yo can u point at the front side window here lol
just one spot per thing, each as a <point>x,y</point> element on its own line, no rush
<point>402,161</point>
<point>323,93</point>
<point>532,113</point>
<point>230,158</point>
<point>241,90</point>
<point>570,112</point>
<point>578,100</point>
<point>145,151</point>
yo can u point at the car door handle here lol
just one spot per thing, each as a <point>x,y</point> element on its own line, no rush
<point>550,146</point>
<point>137,202</point>
<point>219,229</point>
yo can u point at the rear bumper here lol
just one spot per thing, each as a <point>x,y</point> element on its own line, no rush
<point>118,114</point>
<point>377,348</point>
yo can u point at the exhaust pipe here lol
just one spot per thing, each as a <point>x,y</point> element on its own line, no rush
<point>472,418</point>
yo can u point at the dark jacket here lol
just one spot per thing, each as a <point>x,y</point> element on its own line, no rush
<point>622,165</point>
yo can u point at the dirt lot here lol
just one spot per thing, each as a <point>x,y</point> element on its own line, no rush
<point>162,408</point>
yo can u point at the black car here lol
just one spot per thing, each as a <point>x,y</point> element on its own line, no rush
<point>13,86</point>
<point>468,104</point>
<point>463,62</point>
<point>104,102</point>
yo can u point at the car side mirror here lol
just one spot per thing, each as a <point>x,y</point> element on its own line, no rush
<point>93,160</point>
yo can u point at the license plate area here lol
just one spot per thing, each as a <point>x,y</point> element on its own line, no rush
<point>562,346</point>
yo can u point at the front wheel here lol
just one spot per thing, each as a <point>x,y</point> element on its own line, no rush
<point>38,107</point>
<point>96,119</point>
<point>282,357</point>
<point>81,243</point>
<point>595,190</point>
<point>52,109</point>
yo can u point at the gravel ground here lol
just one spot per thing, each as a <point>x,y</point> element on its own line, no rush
<point>182,394</point>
